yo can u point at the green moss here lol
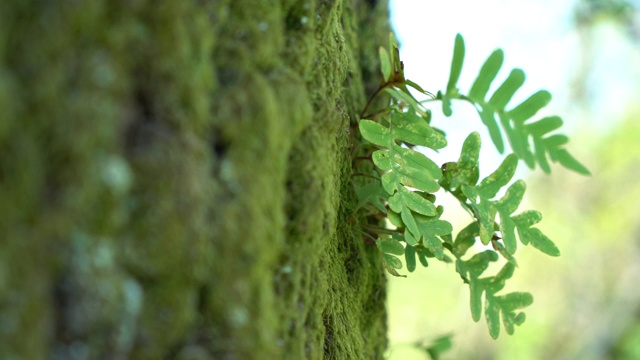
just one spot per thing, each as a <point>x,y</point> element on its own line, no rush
<point>168,313</point>
<point>176,180</point>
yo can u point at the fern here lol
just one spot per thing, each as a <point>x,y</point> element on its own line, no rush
<point>406,180</point>
<point>516,123</point>
<point>479,200</point>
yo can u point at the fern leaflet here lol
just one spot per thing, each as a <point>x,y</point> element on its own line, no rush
<point>530,140</point>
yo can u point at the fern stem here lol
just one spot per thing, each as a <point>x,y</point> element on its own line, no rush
<point>366,175</point>
<point>374,114</point>
<point>368,235</point>
<point>370,101</point>
<point>378,229</point>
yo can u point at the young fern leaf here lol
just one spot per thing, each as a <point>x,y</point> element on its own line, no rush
<point>460,179</point>
<point>454,75</point>
<point>405,167</point>
<point>385,64</point>
<point>390,246</point>
<point>373,194</point>
<point>504,306</point>
<point>408,177</point>
<point>431,230</point>
<point>436,347</point>
<point>529,139</point>
<point>495,305</point>
<point>411,252</point>
<point>395,84</point>
<point>479,197</point>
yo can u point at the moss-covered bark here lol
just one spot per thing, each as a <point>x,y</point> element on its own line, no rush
<point>175,180</point>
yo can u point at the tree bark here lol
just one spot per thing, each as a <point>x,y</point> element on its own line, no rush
<point>175,180</point>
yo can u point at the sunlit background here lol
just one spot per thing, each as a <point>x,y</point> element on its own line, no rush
<point>587,53</point>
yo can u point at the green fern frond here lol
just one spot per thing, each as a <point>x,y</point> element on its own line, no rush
<point>405,181</point>
<point>459,178</point>
<point>495,305</point>
<point>408,177</point>
<point>529,139</point>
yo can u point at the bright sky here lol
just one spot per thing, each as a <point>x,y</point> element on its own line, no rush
<point>537,36</point>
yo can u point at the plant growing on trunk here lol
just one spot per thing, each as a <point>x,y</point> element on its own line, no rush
<point>397,191</point>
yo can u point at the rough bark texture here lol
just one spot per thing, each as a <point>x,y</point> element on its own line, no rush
<point>175,180</point>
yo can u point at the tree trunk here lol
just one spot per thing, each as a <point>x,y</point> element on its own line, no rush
<point>175,180</point>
